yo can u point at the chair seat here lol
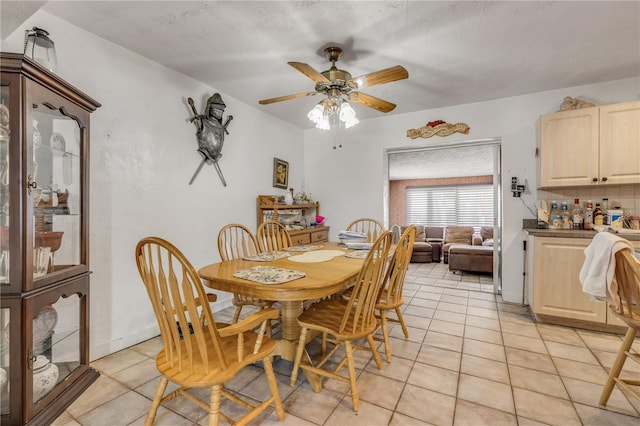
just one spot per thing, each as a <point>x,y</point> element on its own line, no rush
<point>632,320</point>
<point>216,374</point>
<point>384,301</point>
<point>327,316</point>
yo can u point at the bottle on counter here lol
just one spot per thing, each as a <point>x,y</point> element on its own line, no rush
<point>606,220</point>
<point>566,216</point>
<point>555,216</point>
<point>598,218</point>
<point>588,216</point>
<point>577,216</point>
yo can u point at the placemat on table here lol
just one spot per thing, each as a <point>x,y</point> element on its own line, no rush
<point>357,254</point>
<point>268,274</point>
<point>303,248</point>
<point>361,254</point>
<point>267,257</point>
<point>317,256</point>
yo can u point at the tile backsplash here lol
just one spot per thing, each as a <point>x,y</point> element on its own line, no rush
<point>625,196</point>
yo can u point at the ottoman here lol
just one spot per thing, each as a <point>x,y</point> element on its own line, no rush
<point>464,257</point>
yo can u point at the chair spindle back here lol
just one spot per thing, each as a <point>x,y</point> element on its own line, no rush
<point>359,314</point>
<point>372,227</point>
<point>180,305</point>
<point>397,268</point>
<point>627,277</point>
<point>272,236</point>
<point>236,241</point>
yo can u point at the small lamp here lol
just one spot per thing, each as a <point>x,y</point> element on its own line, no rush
<point>39,47</point>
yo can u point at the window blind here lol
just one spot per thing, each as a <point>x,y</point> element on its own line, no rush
<point>464,205</point>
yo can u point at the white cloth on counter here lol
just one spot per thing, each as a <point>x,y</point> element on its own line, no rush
<point>597,272</point>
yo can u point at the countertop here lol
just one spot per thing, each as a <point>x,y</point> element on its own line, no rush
<point>567,233</point>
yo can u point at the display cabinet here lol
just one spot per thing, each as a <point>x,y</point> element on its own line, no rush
<point>299,219</point>
<point>44,244</point>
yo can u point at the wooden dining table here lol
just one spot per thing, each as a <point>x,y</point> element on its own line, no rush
<point>321,279</point>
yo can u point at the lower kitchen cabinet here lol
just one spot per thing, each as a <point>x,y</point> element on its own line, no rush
<point>557,291</point>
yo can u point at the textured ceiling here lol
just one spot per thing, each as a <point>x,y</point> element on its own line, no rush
<point>455,52</point>
<point>474,160</point>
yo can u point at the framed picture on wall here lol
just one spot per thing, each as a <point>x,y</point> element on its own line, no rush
<point>280,173</point>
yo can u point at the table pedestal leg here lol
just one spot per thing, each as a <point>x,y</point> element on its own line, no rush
<point>287,345</point>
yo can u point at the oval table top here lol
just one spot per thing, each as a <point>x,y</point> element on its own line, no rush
<point>321,278</point>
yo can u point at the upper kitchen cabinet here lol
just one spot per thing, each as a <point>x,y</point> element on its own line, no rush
<point>620,143</point>
<point>590,146</point>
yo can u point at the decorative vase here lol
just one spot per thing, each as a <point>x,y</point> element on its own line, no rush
<point>288,198</point>
<point>37,137</point>
<point>4,379</point>
<point>45,377</point>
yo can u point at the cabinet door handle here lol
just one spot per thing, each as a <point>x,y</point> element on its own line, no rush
<point>604,179</point>
<point>595,179</point>
<point>31,184</point>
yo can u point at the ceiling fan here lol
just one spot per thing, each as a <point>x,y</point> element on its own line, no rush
<point>339,86</point>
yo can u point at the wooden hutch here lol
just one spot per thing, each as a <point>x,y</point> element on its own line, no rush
<point>272,207</point>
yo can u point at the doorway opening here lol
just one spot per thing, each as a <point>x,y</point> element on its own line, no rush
<point>450,185</point>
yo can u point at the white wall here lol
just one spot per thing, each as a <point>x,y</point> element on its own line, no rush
<point>143,154</point>
<point>349,180</point>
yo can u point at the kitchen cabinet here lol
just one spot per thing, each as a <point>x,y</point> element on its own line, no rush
<point>44,245</point>
<point>556,288</point>
<point>590,146</point>
<point>296,217</point>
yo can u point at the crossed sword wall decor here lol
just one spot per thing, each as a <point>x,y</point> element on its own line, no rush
<point>210,133</point>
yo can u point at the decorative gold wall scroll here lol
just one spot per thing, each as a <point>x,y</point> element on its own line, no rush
<point>438,127</point>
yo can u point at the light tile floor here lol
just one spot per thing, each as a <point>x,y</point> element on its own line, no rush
<point>470,360</point>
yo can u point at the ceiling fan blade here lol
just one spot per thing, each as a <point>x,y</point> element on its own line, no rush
<point>286,98</point>
<point>371,101</point>
<point>380,77</point>
<point>310,72</point>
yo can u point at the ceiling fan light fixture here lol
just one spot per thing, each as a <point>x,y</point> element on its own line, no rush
<point>348,115</point>
<point>323,123</point>
<point>316,113</point>
<point>323,111</point>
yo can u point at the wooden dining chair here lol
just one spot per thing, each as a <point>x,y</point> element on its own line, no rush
<point>626,307</point>
<point>197,352</point>
<point>272,236</point>
<point>234,242</point>
<point>347,320</point>
<point>372,227</point>
<point>390,298</point>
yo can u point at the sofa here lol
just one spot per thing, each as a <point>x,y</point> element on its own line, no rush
<point>422,250</point>
<point>474,257</point>
<point>455,235</point>
<point>433,244</point>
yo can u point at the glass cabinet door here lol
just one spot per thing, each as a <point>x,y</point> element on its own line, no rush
<point>5,133</point>
<point>58,338</point>
<point>5,362</point>
<point>54,187</point>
